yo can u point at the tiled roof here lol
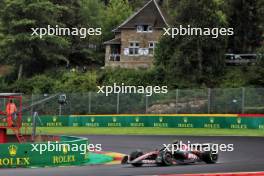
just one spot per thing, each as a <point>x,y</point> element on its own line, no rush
<point>150,14</point>
<point>113,41</point>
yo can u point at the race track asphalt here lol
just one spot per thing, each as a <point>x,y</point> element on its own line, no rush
<point>248,155</point>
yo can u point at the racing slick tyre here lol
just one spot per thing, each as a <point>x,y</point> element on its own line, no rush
<point>209,157</point>
<point>166,158</point>
<point>135,155</point>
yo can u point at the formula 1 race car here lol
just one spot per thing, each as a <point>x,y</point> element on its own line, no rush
<point>165,157</point>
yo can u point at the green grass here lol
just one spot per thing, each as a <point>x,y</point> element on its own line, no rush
<point>150,131</point>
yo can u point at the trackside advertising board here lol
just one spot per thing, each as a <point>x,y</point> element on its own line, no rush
<point>229,121</point>
<point>23,155</point>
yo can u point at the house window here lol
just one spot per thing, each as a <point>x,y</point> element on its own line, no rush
<point>139,28</point>
<point>144,28</point>
<point>133,48</point>
<point>150,29</point>
<point>152,46</point>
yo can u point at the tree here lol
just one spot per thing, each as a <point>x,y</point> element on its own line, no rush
<point>256,77</point>
<point>1,5</point>
<point>83,14</point>
<point>117,11</point>
<point>1,27</point>
<point>137,4</point>
<point>92,45</point>
<point>245,16</point>
<point>192,59</point>
<point>31,54</point>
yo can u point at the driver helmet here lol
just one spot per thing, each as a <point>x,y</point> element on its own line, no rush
<point>175,142</point>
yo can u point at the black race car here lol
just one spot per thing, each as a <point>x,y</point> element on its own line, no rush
<point>165,157</point>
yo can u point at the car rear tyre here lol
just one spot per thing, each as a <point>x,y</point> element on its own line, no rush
<point>135,155</point>
<point>167,158</point>
<point>124,160</point>
<point>210,158</point>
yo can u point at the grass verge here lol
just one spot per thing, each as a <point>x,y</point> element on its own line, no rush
<point>150,131</point>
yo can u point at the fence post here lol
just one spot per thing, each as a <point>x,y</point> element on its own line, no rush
<point>89,102</point>
<point>60,109</point>
<point>146,110</point>
<point>243,100</point>
<point>209,101</point>
<point>4,104</point>
<point>176,101</point>
<point>70,105</point>
<point>117,104</point>
<point>32,101</point>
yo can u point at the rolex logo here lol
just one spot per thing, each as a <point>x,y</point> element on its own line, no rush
<point>185,120</point>
<point>114,119</point>
<point>54,119</point>
<point>92,119</point>
<point>239,120</point>
<point>28,119</point>
<point>86,155</point>
<point>137,119</point>
<point>211,120</point>
<point>12,150</point>
<point>160,119</point>
<point>65,149</point>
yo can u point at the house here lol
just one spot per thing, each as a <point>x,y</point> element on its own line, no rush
<point>136,38</point>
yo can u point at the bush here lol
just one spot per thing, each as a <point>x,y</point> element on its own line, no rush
<point>21,86</point>
<point>42,84</point>
<point>37,85</point>
<point>3,85</point>
<point>130,77</point>
<point>234,78</point>
<point>76,82</point>
<point>67,82</point>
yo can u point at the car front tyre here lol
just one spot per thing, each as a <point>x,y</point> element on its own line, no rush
<point>135,155</point>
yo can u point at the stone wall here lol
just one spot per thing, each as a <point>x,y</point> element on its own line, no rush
<point>130,35</point>
<point>130,64</point>
<point>107,54</point>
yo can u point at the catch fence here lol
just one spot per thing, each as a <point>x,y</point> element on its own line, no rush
<point>180,101</point>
